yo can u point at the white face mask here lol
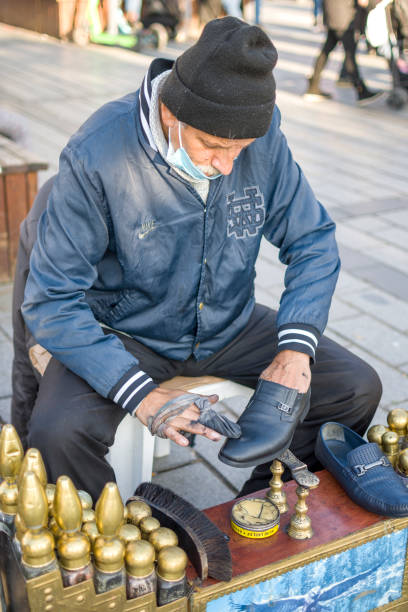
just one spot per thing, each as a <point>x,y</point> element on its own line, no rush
<point>181,160</point>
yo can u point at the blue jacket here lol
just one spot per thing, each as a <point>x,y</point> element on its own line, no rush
<point>125,241</point>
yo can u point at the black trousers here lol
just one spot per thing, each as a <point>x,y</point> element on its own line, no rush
<point>73,426</point>
<point>349,40</point>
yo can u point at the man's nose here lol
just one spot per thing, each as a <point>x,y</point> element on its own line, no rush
<point>223,162</point>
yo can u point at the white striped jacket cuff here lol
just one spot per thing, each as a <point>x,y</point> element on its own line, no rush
<point>298,337</point>
<point>131,389</point>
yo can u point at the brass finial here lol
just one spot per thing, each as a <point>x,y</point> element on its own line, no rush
<point>33,462</point>
<point>390,445</point>
<point>129,533</point>
<point>109,550</point>
<point>11,452</point>
<point>37,543</point>
<point>86,499</point>
<point>32,502</point>
<point>276,493</point>
<point>162,537</point>
<point>375,434</point>
<point>136,511</point>
<point>300,526</point>
<point>109,510</point>
<point>398,420</point>
<point>67,505</point>
<point>139,558</point>
<point>147,526</point>
<point>11,456</point>
<point>109,554</point>
<point>73,546</point>
<point>171,563</point>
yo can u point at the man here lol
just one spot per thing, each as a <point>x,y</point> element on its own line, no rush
<point>143,267</point>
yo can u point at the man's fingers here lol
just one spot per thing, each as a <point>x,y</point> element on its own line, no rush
<point>184,424</point>
<point>173,434</point>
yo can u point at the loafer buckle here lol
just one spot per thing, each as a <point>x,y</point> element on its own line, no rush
<point>362,468</point>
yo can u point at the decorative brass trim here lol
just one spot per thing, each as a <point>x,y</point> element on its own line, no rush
<point>181,605</point>
<point>46,594</point>
<point>203,595</point>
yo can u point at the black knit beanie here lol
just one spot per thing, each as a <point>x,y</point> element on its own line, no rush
<point>223,85</point>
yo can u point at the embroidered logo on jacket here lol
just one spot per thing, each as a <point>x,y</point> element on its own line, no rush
<point>246,214</point>
<point>146,228</point>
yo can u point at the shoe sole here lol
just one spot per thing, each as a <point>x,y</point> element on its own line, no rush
<point>367,101</point>
<point>315,97</point>
<point>242,464</point>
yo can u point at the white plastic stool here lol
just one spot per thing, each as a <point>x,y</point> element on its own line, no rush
<point>132,452</point>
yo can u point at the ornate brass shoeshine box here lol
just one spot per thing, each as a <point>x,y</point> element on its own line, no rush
<point>356,560</point>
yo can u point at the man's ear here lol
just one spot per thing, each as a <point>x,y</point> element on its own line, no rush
<point>168,119</point>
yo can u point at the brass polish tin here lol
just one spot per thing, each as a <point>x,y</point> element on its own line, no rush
<point>255,518</point>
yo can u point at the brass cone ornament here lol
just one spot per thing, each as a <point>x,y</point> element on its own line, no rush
<point>108,549</point>
<point>375,434</point>
<point>391,446</point>
<point>398,421</point>
<point>140,572</point>
<point>11,456</point>
<point>148,525</point>
<point>109,510</point>
<point>162,537</point>
<point>136,511</point>
<point>276,493</point>
<point>73,546</point>
<point>171,575</point>
<point>300,526</point>
<point>33,462</point>
<point>37,543</point>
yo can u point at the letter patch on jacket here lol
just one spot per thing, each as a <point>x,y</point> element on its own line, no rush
<point>246,214</point>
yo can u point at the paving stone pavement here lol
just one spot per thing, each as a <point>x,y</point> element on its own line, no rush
<point>354,158</point>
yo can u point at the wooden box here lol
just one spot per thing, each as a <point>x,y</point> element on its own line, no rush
<point>52,17</point>
<point>355,562</point>
<point>18,187</point>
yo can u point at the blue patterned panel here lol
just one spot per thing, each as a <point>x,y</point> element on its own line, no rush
<point>356,580</point>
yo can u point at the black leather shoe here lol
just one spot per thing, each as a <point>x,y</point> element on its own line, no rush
<point>362,470</point>
<point>267,425</point>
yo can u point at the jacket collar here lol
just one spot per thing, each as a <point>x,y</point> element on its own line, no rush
<point>158,66</point>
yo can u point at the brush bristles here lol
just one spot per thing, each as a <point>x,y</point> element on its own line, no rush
<point>212,538</point>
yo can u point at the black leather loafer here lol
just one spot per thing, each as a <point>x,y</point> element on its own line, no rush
<point>267,425</point>
<point>362,470</point>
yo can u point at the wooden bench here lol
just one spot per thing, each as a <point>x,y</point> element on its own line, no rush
<point>18,187</point>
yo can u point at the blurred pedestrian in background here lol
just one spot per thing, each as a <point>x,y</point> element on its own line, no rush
<point>340,19</point>
<point>317,13</point>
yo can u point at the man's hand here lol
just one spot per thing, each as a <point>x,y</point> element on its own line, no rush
<point>183,422</point>
<point>291,369</point>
